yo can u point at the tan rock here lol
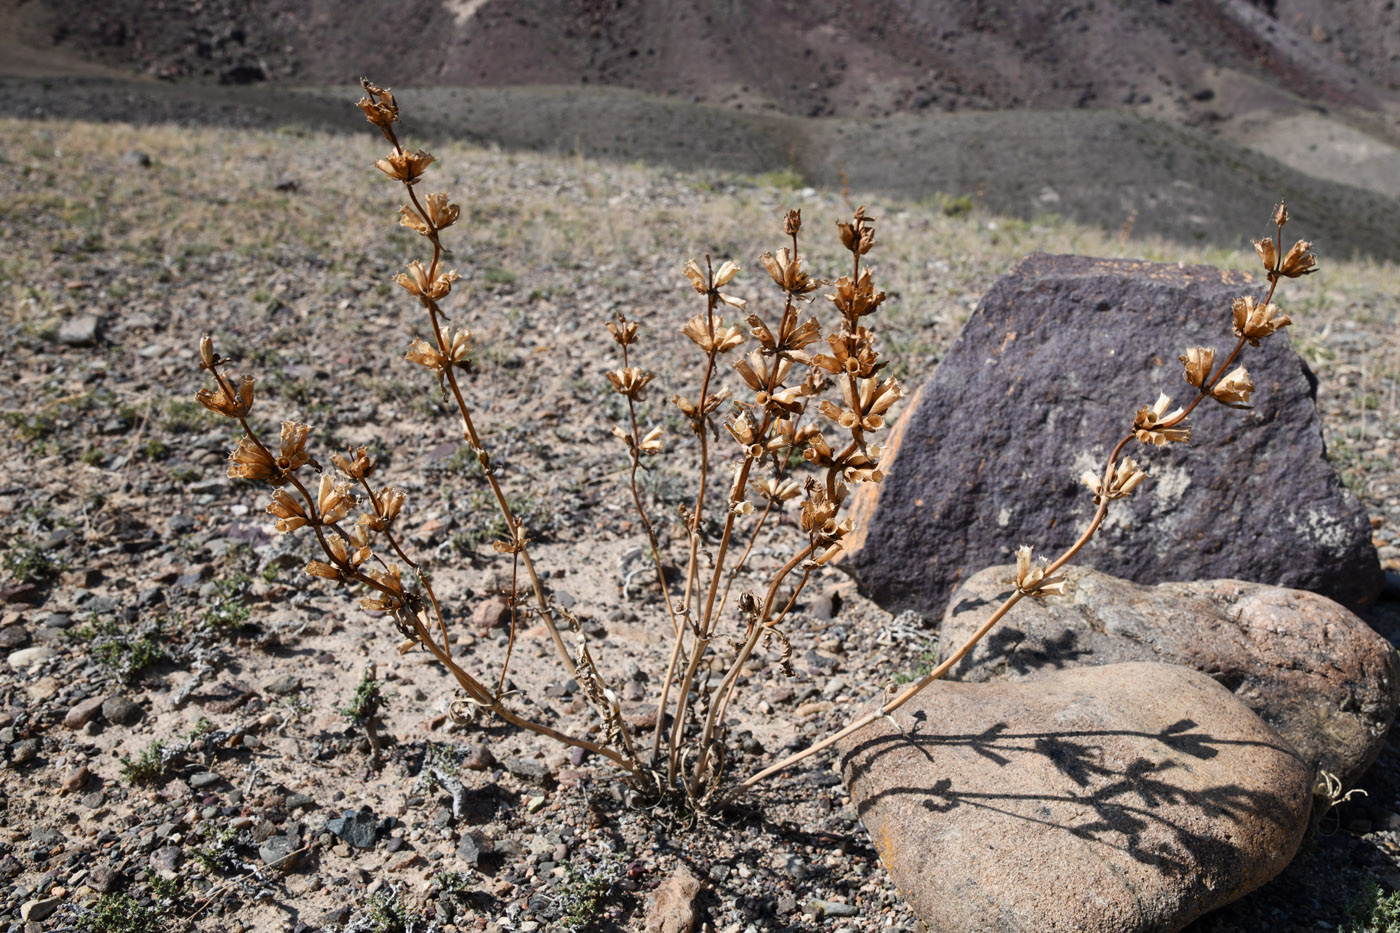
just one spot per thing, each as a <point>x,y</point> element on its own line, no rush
<point>672,906</point>
<point>1127,797</point>
<point>1307,666</point>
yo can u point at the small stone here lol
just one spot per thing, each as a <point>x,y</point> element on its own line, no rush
<point>479,758</point>
<point>280,852</point>
<point>120,711</point>
<point>535,804</point>
<point>82,713</point>
<point>671,909</point>
<point>491,613</point>
<point>25,658</point>
<point>297,801</point>
<point>826,604</point>
<point>820,908</point>
<point>24,751</point>
<point>204,779</point>
<point>282,684</point>
<point>167,859</point>
<point>93,800</point>
<point>14,636</point>
<point>358,829</point>
<point>103,878</point>
<point>472,846</point>
<point>78,331</point>
<point>75,779</point>
<point>528,769</point>
<point>38,910</point>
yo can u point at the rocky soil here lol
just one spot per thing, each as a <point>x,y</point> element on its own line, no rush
<point>170,710</point>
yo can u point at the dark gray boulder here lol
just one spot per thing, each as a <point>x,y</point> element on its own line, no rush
<point>1043,382</point>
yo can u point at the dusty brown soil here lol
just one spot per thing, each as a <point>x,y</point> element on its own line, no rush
<point>124,543</point>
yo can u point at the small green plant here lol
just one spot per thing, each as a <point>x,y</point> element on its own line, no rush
<point>119,913</point>
<point>385,913</point>
<point>150,766</point>
<point>27,564</point>
<point>928,660</point>
<point>218,854</point>
<point>1373,910</point>
<point>227,608</point>
<point>583,893</point>
<point>93,456</point>
<point>452,882</point>
<point>367,701</point>
<point>125,653</point>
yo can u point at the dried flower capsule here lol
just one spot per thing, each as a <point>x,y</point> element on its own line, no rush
<point>786,270</point>
<point>1123,477</point>
<point>778,491</point>
<point>726,272</point>
<point>294,455</point>
<point>405,166</point>
<point>1268,253</point>
<point>858,298</point>
<point>792,222</point>
<point>858,236</point>
<point>410,218</point>
<point>288,511</point>
<point>1299,261</point>
<point>1199,361</point>
<point>631,382</point>
<point>1032,581</point>
<point>1234,389</point>
<point>651,442</point>
<point>333,500</point>
<point>1149,422</point>
<point>319,568</point>
<point>378,105</point>
<point>441,212</point>
<point>424,354</point>
<point>623,331</point>
<point>417,283</point>
<point>1254,321</point>
<point>207,357</point>
<point>250,460</point>
<point>356,465</point>
<point>724,339</point>
<point>225,399</point>
<point>1281,213</point>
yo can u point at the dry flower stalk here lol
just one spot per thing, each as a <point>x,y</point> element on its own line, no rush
<point>793,369</point>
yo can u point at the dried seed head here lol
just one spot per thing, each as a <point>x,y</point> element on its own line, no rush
<point>631,382</point>
<point>792,222</point>
<point>1281,213</point>
<point>1255,321</point>
<point>1299,261</point>
<point>405,166</point>
<point>424,354</point>
<point>786,270</point>
<point>858,298</point>
<point>379,105</point>
<point>726,272</point>
<point>1199,362</point>
<point>1268,253</point>
<point>417,283</point>
<point>356,464</point>
<point>1149,424</point>
<point>410,218</point>
<point>1123,477</point>
<point>251,461</point>
<point>778,491</point>
<point>1031,579</point>
<point>441,212</point>
<point>723,340</point>
<point>858,236</point>
<point>207,357</point>
<point>287,510</point>
<point>623,331</point>
<point>225,399</point>
<point>319,568</point>
<point>1234,389</point>
<point>333,500</point>
<point>651,442</point>
<point>294,455</point>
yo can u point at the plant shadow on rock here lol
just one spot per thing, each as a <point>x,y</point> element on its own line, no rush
<point>1124,801</point>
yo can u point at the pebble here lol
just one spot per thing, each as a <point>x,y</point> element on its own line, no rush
<point>280,852</point>
<point>25,658</point>
<point>358,829</point>
<point>38,910</point>
<point>282,684</point>
<point>78,331</point>
<point>120,711</point>
<point>82,713</point>
<point>74,779</point>
<point>479,758</point>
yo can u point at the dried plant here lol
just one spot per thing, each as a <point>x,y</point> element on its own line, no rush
<point>804,424</point>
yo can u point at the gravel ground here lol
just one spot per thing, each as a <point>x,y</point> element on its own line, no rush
<point>136,573</point>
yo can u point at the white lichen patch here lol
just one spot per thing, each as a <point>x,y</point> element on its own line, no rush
<point>1326,531</point>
